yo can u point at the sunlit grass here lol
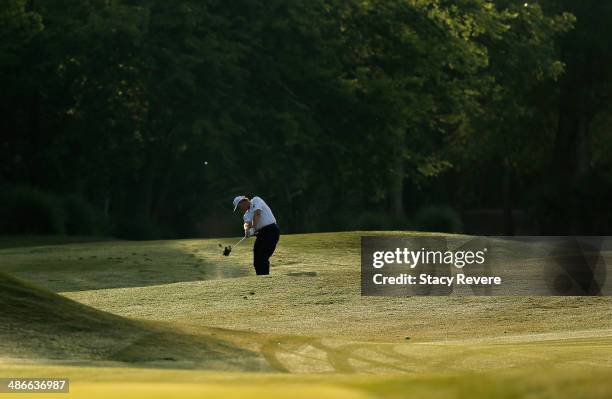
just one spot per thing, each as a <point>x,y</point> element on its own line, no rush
<point>166,311</point>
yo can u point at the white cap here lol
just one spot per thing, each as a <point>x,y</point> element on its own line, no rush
<point>237,201</point>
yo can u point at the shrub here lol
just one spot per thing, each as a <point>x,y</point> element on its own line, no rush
<point>376,221</point>
<point>439,219</point>
<point>80,216</point>
<point>137,228</point>
<point>26,210</point>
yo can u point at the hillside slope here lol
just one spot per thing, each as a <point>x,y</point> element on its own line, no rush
<point>39,324</point>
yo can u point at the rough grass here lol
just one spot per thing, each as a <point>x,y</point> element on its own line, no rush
<point>306,323</point>
<point>39,324</point>
<point>38,240</point>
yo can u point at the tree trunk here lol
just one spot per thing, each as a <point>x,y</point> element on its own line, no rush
<point>397,187</point>
<point>142,203</point>
<point>572,155</point>
<point>572,146</point>
<point>34,141</point>
<point>507,192</point>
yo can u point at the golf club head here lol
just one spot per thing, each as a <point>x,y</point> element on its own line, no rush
<point>227,250</point>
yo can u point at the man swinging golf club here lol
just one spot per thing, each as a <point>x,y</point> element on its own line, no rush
<point>259,221</point>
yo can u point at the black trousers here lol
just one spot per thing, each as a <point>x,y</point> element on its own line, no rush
<point>264,247</point>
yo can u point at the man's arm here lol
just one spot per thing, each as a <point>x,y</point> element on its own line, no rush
<point>256,217</point>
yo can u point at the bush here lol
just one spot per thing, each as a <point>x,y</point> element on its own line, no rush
<point>26,210</point>
<point>578,208</point>
<point>376,221</point>
<point>442,219</point>
<point>80,217</point>
<point>137,228</point>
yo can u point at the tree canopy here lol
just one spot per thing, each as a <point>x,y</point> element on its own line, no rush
<point>330,110</point>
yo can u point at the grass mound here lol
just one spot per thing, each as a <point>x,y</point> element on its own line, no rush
<point>39,324</point>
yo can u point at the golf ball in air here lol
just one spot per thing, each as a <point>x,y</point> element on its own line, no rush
<point>205,162</point>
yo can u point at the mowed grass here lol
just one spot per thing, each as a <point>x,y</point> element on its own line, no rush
<point>171,310</point>
<point>135,383</point>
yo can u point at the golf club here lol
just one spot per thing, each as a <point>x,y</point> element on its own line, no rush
<point>227,250</point>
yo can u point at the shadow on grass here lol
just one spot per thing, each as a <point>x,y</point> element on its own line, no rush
<point>120,264</point>
<point>39,324</point>
<point>39,240</point>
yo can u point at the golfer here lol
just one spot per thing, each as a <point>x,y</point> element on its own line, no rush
<point>259,221</point>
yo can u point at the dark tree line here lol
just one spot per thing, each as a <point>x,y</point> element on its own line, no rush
<point>341,114</point>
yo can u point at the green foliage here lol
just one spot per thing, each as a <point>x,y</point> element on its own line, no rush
<point>439,218</point>
<point>81,218</point>
<point>17,27</point>
<point>26,210</point>
<point>136,228</point>
<point>372,220</point>
<point>305,103</point>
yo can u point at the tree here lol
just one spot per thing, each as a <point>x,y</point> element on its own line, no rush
<point>18,25</point>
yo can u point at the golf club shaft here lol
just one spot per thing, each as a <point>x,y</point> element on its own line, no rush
<point>242,239</point>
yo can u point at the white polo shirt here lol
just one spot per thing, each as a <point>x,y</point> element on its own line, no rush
<point>266,216</point>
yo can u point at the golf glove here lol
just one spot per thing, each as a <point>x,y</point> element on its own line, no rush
<point>250,232</point>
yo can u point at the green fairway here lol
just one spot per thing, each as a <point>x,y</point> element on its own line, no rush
<point>137,383</point>
<point>156,317</point>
